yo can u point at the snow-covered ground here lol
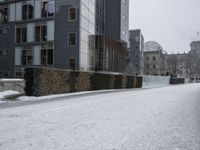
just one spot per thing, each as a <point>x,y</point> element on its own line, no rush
<point>165,118</point>
<point>6,93</point>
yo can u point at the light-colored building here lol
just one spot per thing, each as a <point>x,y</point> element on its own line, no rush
<point>154,60</point>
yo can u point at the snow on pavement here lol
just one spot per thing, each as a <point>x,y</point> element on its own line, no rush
<point>153,119</point>
<point>7,93</point>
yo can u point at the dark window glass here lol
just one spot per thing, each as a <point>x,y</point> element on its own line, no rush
<point>48,8</point>
<point>27,10</point>
<point>72,13</point>
<point>27,57</point>
<point>21,35</point>
<point>154,58</point>
<point>3,13</point>
<point>5,74</point>
<point>24,34</point>
<point>50,57</point>
<point>41,33</point>
<point>72,39</point>
<point>37,34</point>
<point>72,63</point>
<point>47,56</point>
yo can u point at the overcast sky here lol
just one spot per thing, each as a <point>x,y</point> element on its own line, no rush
<point>172,23</point>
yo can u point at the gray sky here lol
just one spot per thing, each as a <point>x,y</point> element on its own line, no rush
<point>172,23</point>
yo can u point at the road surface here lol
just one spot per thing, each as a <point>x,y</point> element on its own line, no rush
<point>165,118</point>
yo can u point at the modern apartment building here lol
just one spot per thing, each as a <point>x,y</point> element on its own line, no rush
<point>60,34</point>
<point>135,58</point>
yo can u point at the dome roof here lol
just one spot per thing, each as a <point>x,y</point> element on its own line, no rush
<point>152,46</point>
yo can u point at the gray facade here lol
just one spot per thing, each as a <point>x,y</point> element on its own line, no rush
<point>135,58</point>
<point>56,33</point>
<point>117,20</point>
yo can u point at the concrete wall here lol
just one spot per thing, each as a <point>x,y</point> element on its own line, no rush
<point>12,84</point>
<point>155,81</point>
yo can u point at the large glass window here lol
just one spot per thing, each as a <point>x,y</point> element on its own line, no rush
<point>21,34</point>
<point>72,14</point>
<point>27,56</point>
<point>48,8</point>
<point>72,39</point>
<point>47,55</point>
<point>4,13</point>
<point>40,33</point>
<point>28,10</point>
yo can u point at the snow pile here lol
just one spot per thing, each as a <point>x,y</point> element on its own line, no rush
<point>7,93</point>
<point>33,98</point>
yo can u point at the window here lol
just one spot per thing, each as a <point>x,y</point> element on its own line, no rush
<point>27,56</point>
<point>147,58</point>
<point>5,74</point>
<point>41,33</point>
<point>21,34</point>
<point>19,73</point>
<point>27,10</point>
<point>48,8</point>
<point>154,58</point>
<point>4,14</point>
<point>72,63</point>
<point>47,55</point>
<point>72,14</point>
<point>72,39</point>
<point>154,66</point>
<point>3,52</point>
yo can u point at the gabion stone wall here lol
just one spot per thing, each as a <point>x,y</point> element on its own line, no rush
<point>45,81</point>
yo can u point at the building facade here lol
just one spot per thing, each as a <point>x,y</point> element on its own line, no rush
<point>154,60</point>
<point>53,33</point>
<point>135,54</point>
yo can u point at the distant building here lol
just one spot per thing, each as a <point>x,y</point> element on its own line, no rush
<point>185,64</point>
<point>135,54</point>
<point>154,60</point>
<point>178,64</point>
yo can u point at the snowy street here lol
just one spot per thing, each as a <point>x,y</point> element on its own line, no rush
<point>166,118</point>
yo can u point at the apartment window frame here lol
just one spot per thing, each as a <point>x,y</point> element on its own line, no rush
<point>69,14</point>
<point>4,18</point>
<point>28,58</point>
<point>69,64</point>
<point>19,72</point>
<point>154,58</point>
<point>75,39</point>
<point>44,3</point>
<point>7,74</point>
<point>28,14</point>
<point>21,34</point>
<point>44,59</point>
<point>41,33</point>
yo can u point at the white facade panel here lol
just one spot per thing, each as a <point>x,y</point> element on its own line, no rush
<point>37,55</point>
<point>18,11</point>
<point>30,33</point>
<point>18,55</point>
<point>50,30</point>
<point>38,9</point>
<point>12,11</point>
